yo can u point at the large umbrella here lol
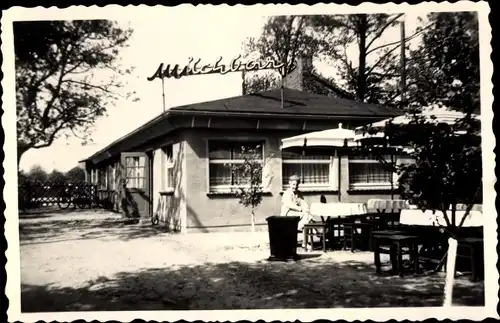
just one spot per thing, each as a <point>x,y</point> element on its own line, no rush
<point>339,137</point>
<point>430,114</point>
<point>336,138</point>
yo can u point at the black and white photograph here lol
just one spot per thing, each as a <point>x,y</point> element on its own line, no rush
<point>223,162</point>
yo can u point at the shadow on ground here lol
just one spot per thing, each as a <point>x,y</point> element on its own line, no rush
<point>57,230</point>
<point>309,283</point>
<point>49,211</point>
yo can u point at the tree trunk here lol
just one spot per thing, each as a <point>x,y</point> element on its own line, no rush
<point>362,29</point>
<point>253,221</point>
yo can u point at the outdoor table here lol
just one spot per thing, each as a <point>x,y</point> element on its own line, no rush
<point>385,204</point>
<point>418,218</point>
<point>329,212</point>
<point>431,218</point>
<point>326,211</point>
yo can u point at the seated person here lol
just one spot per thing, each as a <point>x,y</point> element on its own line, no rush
<point>293,204</point>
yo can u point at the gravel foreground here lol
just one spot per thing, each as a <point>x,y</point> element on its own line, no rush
<point>92,261</point>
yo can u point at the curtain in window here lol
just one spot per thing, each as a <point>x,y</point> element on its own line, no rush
<point>222,154</point>
<point>312,169</point>
<point>369,170</point>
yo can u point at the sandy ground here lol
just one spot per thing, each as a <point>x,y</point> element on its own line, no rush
<point>90,260</point>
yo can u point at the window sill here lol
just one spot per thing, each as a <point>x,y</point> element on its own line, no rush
<point>134,189</point>
<point>167,191</point>
<point>372,190</point>
<point>315,190</point>
<point>232,193</point>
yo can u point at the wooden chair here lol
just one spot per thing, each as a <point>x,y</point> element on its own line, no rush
<point>397,244</point>
<point>471,249</point>
<point>315,229</point>
<point>357,232</point>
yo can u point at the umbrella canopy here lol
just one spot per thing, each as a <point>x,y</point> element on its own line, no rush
<point>431,114</point>
<point>339,137</point>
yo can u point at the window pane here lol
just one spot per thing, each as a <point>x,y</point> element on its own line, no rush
<point>298,156</point>
<point>135,182</point>
<point>368,173</point>
<point>135,172</point>
<point>135,161</point>
<point>371,157</point>
<point>239,179</point>
<point>169,152</point>
<point>316,157</point>
<point>130,172</point>
<point>129,161</point>
<point>241,150</point>
<point>140,183</point>
<point>219,150</point>
<point>309,173</point>
<point>139,172</point>
<point>219,175</point>
<point>290,155</point>
<point>232,149</point>
<point>170,177</point>
<point>316,174</point>
<point>131,182</point>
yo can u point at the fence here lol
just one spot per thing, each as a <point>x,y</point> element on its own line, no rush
<point>77,194</point>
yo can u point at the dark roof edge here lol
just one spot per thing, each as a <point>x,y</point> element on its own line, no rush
<point>182,112</point>
<point>128,135</point>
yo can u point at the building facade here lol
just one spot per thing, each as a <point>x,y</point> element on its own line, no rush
<point>175,166</point>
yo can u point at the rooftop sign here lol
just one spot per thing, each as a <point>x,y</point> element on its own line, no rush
<point>196,68</point>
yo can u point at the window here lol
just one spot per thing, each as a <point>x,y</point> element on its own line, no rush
<point>314,171</point>
<point>135,171</point>
<point>369,171</point>
<point>113,177</point>
<point>102,179</point>
<point>168,154</point>
<point>93,176</point>
<point>221,154</point>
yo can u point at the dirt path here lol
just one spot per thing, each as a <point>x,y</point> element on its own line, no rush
<point>86,263</point>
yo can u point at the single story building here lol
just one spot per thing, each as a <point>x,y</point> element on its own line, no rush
<point>175,165</point>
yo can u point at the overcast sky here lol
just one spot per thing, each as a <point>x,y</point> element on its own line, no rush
<point>165,35</point>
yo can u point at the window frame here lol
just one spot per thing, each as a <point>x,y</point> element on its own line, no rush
<point>127,178</point>
<point>372,185</point>
<point>331,185</point>
<point>93,176</point>
<point>168,166</point>
<point>214,189</point>
<point>112,176</point>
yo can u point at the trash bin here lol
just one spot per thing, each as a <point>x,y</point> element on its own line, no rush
<point>283,237</point>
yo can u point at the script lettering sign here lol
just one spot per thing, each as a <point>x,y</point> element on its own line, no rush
<point>195,68</point>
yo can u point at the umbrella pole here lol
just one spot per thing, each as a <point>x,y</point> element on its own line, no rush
<point>392,176</point>
<point>302,164</point>
<point>338,172</point>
